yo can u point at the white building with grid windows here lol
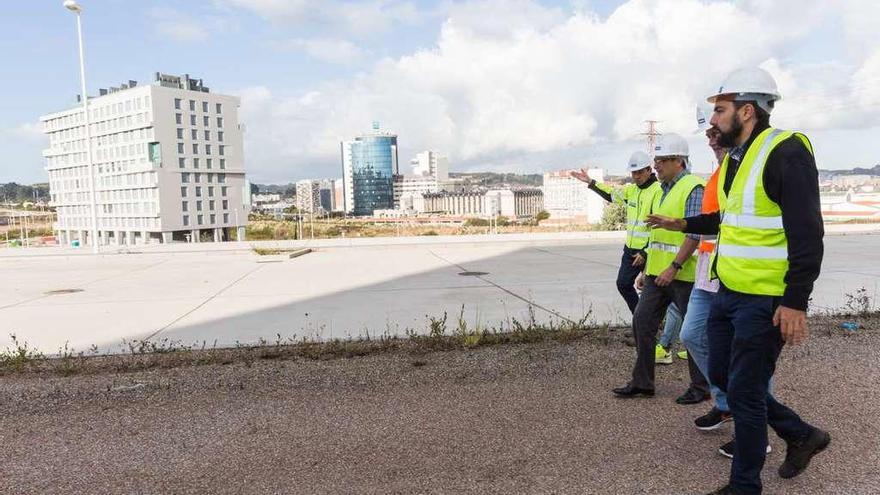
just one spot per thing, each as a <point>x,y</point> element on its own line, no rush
<point>168,163</point>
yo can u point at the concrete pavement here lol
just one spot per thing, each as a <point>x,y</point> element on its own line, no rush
<point>227,294</point>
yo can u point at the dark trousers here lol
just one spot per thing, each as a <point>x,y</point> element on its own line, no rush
<point>626,278</point>
<point>646,320</point>
<point>743,349</point>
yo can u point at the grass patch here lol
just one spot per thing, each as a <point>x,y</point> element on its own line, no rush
<point>139,355</point>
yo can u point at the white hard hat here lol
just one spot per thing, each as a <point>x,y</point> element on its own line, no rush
<point>749,84</point>
<point>638,161</point>
<point>671,145</point>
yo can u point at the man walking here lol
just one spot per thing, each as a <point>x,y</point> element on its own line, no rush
<point>670,269</point>
<point>637,198</point>
<point>769,252</point>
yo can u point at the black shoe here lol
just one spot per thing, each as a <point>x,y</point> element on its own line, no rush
<point>691,396</point>
<point>724,490</point>
<point>799,453</point>
<point>713,419</point>
<point>727,449</point>
<point>630,391</point>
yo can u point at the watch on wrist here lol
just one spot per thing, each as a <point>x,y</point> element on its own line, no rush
<point>676,265</point>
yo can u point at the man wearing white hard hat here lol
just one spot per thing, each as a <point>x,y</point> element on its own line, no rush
<point>637,198</point>
<point>768,255</point>
<point>669,271</point>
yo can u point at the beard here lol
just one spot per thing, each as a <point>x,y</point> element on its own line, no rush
<point>728,139</point>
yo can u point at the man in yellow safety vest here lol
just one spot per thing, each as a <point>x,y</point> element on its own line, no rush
<point>669,270</point>
<point>637,198</point>
<point>768,255</point>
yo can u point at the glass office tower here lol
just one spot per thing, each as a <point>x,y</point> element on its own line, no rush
<point>371,166</point>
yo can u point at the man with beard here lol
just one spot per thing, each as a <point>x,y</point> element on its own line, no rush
<point>768,255</point>
<point>669,270</point>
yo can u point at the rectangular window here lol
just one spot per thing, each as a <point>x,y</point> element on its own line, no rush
<point>198,177</point>
<point>208,162</point>
<point>177,103</point>
<point>198,206</point>
<point>184,177</point>
<point>184,206</point>
<point>178,118</point>
<point>207,135</point>
<point>225,203</point>
<point>221,178</point>
<point>221,149</point>
<point>205,106</point>
<point>222,163</point>
<point>195,134</point>
<point>192,105</point>
<point>207,149</point>
<point>213,218</point>
<point>220,122</point>
<point>211,204</point>
<point>181,162</point>
<point>210,178</point>
<point>198,191</point>
<point>223,192</point>
<point>226,218</point>
<point>219,107</point>
<point>200,220</point>
<point>207,121</point>
<point>180,148</point>
<point>192,119</point>
<point>219,135</point>
<point>195,148</point>
<point>195,163</point>
<point>182,191</point>
<point>179,133</point>
<point>210,191</point>
<point>185,220</point>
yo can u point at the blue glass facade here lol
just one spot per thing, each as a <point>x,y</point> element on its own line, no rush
<point>373,162</point>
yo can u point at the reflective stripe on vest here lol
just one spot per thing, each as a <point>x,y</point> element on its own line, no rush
<point>752,221</point>
<point>753,252</point>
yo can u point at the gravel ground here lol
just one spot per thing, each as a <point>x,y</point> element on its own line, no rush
<point>535,418</point>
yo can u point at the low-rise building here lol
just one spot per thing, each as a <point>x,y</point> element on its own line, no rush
<point>568,198</point>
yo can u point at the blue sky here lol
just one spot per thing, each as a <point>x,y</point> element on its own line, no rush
<point>519,85</point>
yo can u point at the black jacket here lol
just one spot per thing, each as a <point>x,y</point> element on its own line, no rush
<point>791,179</point>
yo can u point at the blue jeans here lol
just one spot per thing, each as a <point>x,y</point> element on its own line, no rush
<point>672,327</point>
<point>696,340</point>
<point>743,349</point>
<point>626,278</point>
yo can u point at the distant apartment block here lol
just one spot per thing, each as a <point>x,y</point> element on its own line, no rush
<point>328,194</point>
<point>168,165</point>
<point>431,164</point>
<point>568,198</point>
<point>430,175</point>
<point>511,203</point>
<point>369,164</point>
<point>308,196</point>
<point>338,195</point>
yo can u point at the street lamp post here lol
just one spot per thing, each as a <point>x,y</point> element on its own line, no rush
<point>74,7</point>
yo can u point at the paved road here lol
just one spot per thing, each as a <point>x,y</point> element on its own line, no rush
<point>222,296</point>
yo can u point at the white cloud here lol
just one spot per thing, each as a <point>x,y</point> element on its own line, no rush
<point>179,26</point>
<point>528,86</point>
<point>363,17</point>
<point>31,131</point>
<point>330,50</point>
